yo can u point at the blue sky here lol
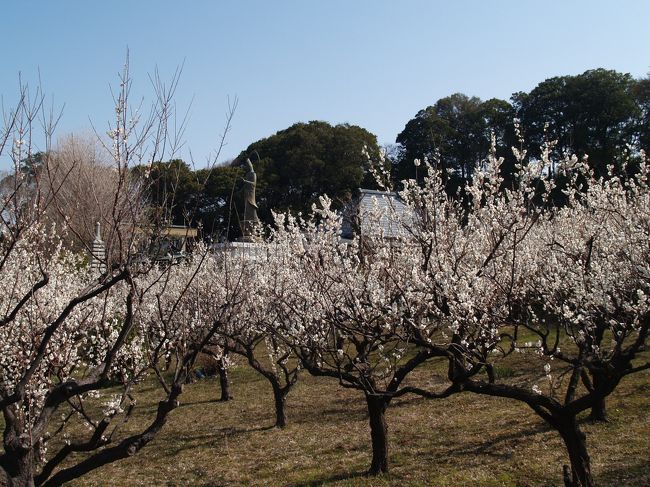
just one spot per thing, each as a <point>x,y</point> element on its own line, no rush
<point>372,63</point>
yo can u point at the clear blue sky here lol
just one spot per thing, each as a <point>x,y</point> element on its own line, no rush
<point>373,63</point>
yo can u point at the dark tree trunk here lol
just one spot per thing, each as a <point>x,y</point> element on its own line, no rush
<point>128,446</point>
<point>378,433</point>
<point>18,465</point>
<point>279,392</point>
<point>576,446</point>
<point>224,381</point>
<point>280,396</point>
<point>598,411</point>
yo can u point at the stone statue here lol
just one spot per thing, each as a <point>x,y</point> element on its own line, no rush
<point>250,205</point>
<point>98,251</point>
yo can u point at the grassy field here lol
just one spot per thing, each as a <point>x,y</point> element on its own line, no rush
<point>466,440</point>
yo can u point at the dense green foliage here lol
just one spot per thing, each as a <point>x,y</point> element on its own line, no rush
<point>641,91</point>
<point>306,160</point>
<point>294,167</point>
<point>593,113</point>
<point>455,133</point>
<point>600,112</point>
<point>181,196</point>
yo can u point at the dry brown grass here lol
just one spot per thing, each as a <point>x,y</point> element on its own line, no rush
<point>466,440</point>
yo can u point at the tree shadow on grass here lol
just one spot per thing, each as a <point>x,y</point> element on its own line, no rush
<point>331,415</point>
<point>204,401</point>
<point>149,408</point>
<point>638,474</point>
<point>486,447</point>
<point>330,479</point>
<point>475,448</point>
<point>198,441</point>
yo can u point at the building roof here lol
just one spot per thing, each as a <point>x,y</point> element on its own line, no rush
<point>375,211</point>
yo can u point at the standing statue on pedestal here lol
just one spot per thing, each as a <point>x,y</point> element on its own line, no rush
<point>250,205</point>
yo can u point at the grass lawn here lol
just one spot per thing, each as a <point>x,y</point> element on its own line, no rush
<point>466,440</point>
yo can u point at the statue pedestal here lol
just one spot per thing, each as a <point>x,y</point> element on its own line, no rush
<point>249,250</point>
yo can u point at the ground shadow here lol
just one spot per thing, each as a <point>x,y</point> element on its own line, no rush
<point>485,447</point>
<point>204,401</point>
<point>639,473</point>
<point>330,479</point>
<point>198,441</point>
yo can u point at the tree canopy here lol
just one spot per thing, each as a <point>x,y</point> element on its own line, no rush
<point>641,92</point>
<point>592,113</point>
<point>297,165</point>
<point>600,113</point>
<point>183,196</point>
<point>454,134</point>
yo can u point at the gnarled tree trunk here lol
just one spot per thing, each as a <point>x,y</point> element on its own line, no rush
<point>280,396</point>
<point>576,446</point>
<point>378,433</point>
<point>224,381</point>
<point>18,466</point>
<point>598,411</point>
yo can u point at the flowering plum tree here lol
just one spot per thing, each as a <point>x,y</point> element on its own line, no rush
<point>168,328</point>
<point>220,362</point>
<point>566,286</point>
<point>251,332</point>
<point>347,316</point>
<point>74,342</point>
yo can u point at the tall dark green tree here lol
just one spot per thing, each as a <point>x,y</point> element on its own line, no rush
<point>641,91</point>
<point>215,205</point>
<point>593,113</point>
<point>297,165</point>
<point>180,196</point>
<point>170,188</point>
<point>455,133</point>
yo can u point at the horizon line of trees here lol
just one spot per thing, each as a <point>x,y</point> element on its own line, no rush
<point>602,114</point>
<point>470,285</point>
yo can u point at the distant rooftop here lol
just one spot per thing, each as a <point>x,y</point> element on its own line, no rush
<point>373,209</point>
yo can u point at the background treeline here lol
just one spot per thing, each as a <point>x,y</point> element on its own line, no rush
<point>602,113</point>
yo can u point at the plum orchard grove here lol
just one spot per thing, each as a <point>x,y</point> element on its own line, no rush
<point>468,280</point>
